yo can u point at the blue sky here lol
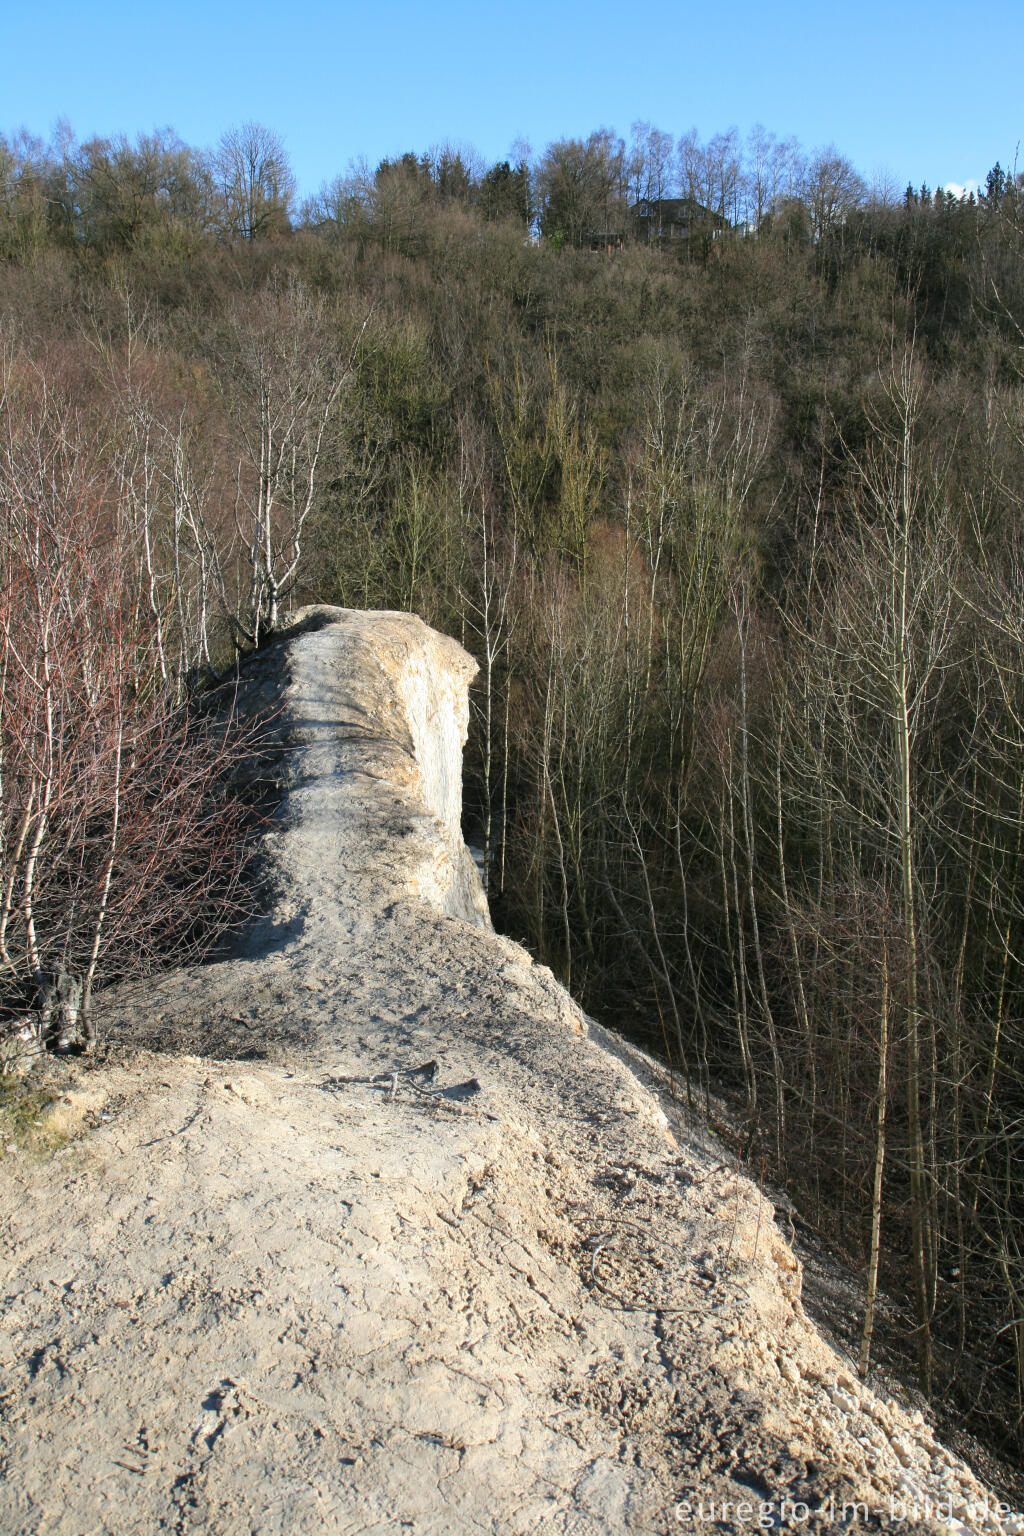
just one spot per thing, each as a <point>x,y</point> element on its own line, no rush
<point>928,92</point>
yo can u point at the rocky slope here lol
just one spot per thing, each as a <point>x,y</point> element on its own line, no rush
<point>373,1232</point>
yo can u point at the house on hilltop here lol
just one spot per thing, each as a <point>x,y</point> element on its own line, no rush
<point>655,219</point>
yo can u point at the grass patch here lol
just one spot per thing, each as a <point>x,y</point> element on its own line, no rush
<point>26,1121</point>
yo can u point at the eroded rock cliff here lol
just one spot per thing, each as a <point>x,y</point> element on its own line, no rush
<point>375,1234</point>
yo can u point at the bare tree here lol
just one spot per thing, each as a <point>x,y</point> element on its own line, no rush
<point>282,373</point>
<point>832,190</point>
<point>490,616</point>
<point>115,833</point>
<point>771,173</point>
<point>256,182</point>
<point>651,168</point>
<point>582,189</point>
<point>709,173</point>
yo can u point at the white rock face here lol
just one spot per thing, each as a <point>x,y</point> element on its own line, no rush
<point>434,692</point>
<point>375,715</point>
<point>378,1236</point>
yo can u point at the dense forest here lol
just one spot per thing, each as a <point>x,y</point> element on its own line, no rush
<point>714,458</point>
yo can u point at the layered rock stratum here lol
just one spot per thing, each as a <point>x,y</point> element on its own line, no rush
<point>372,1231</point>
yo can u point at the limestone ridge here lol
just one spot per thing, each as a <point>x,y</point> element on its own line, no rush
<point>374,719</point>
<point>406,1243</point>
<point>367,872</point>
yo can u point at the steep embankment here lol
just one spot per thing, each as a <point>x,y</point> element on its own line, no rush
<point>309,1283</point>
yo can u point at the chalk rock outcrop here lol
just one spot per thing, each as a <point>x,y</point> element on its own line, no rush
<point>376,1234</point>
<point>372,724</point>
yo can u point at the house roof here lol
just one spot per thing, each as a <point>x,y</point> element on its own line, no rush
<point>675,210</point>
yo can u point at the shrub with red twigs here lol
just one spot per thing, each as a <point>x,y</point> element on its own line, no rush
<point>122,842</point>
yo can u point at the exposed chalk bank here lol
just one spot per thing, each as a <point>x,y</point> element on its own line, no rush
<point>374,719</point>
<point>380,1235</point>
